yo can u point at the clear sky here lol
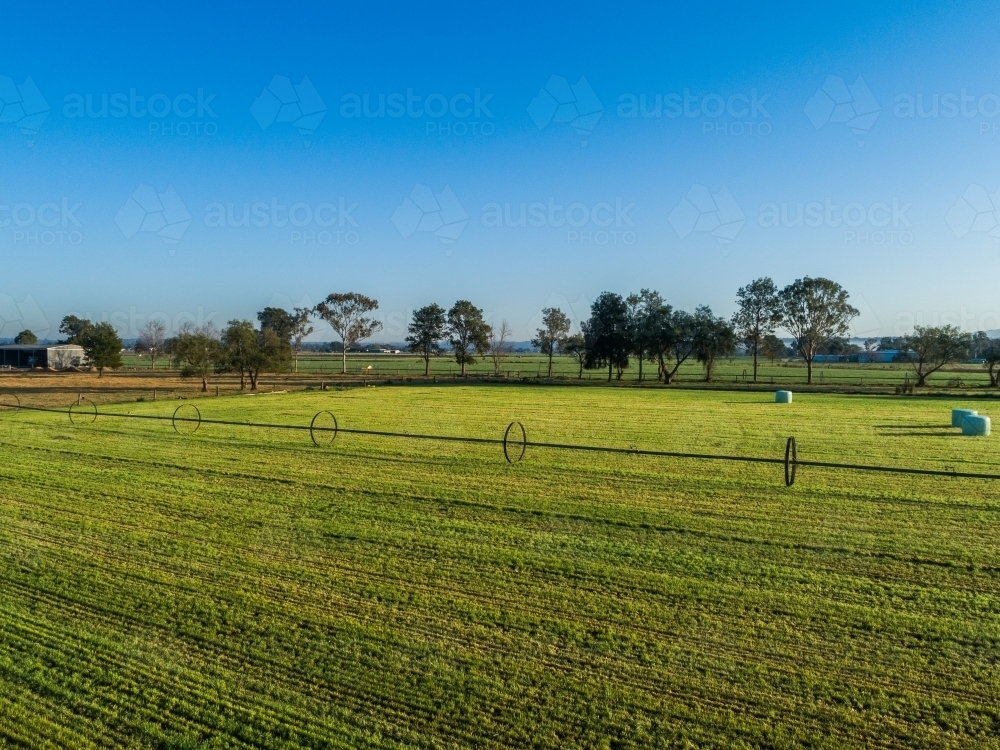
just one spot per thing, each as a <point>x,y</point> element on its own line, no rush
<point>193,162</point>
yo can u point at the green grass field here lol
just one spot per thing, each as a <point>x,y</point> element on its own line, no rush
<point>239,587</point>
<point>526,365</point>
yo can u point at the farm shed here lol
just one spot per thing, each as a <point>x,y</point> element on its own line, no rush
<point>51,357</point>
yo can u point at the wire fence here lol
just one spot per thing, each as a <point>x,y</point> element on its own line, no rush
<point>514,443</point>
<point>533,366</point>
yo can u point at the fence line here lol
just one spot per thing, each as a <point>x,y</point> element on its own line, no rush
<point>513,449</point>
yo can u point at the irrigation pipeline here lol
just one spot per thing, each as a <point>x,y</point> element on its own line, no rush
<point>515,441</point>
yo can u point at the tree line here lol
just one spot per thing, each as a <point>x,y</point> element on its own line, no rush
<point>645,327</point>
<point>248,350</point>
<point>815,311</point>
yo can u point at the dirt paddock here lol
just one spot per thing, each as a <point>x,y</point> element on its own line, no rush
<point>59,389</point>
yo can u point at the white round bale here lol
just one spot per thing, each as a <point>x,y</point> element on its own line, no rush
<point>974,424</point>
<point>783,397</point>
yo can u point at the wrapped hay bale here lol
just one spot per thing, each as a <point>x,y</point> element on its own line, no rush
<point>957,415</point>
<point>973,424</point>
<point>783,397</point>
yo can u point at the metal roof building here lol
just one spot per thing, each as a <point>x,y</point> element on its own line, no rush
<point>51,356</point>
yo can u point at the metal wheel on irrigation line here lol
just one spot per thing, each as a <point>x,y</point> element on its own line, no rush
<point>319,428</point>
<point>791,462</point>
<point>85,417</point>
<point>196,419</point>
<point>9,403</point>
<point>510,446</point>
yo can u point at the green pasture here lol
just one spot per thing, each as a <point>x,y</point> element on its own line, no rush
<point>240,587</point>
<point>526,365</point>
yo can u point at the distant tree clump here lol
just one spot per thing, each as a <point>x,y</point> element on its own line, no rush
<point>930,348</point>
<point>991,361</point>
<point>646,311</point>
<point>249,352</point>
<point>576,347</point>
<point>499,345</point>
<point>468,333</point>
<point>772,347</point>
<point>278,320</point>
<point>839,345</point>
<point>652,330</point>
<point>26,337</point>
<point>758,315</point>
<point>892,343</point>
<point>713,338</point>
<point>679,341</point>
<point>980,341</point>
<point>196,352</point>
<point>552,335</point>
<point>103,347</point>
<point>347,316</point>
<point>426,331</point>
<point>607,333</point>
<point>152,339</point>
<point>74,329</point>
<point>814,311</point>
<point>301,328</point>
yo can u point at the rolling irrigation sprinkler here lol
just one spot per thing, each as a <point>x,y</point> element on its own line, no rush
<point>197,418</point>
<point>514,442</point>
<point>78,403</point>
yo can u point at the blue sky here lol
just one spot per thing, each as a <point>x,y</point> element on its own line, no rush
<point>858,142</point>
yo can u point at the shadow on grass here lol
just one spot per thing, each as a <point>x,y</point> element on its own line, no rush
<point>943,433</point>
<point>914,430</point>
<point>935,426</point>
